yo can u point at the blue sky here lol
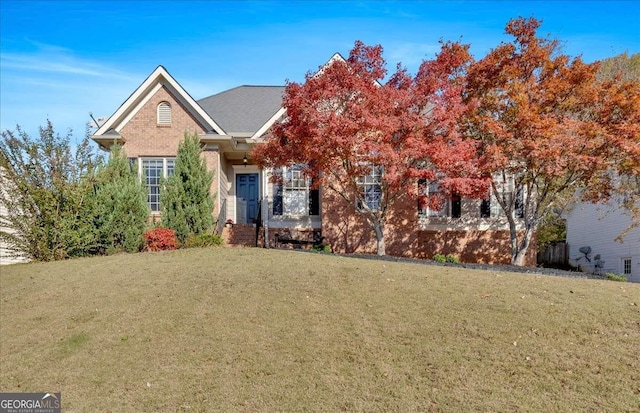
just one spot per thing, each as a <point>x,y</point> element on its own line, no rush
<point>63,59</point>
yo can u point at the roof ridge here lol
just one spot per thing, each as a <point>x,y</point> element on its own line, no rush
<point>260,86</point>
<point>241,86</point>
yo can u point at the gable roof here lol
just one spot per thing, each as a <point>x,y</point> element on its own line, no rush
<point>242,112</point>
<point>245,110</point>
<point>159,78</point>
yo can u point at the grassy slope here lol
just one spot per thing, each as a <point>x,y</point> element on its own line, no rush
<point>259,330</point>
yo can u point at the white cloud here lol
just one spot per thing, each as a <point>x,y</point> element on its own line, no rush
<point>52,82</point>
<point>38,63</point>
<point>57,60</point>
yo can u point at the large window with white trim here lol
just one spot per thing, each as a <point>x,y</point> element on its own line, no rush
<point>293,195</point>
<point>153,170</point>
<point>432,202</point>
<point>490,207</point>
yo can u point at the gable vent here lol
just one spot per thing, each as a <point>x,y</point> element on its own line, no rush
<point>164,113</point>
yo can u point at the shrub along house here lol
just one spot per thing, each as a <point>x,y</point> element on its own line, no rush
<point>153,120</point>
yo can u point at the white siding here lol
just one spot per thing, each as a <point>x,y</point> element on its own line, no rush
<point>4,253</point>
<point>223,194</point>
<point>597,226</point>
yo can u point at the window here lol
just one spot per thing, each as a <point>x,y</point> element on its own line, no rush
<point>451,206</point>
<point>456,206</point>
<point>626,266</point>
<point>154,169</point>
<point>294,196</point>
<point>164,113</point>
<point>490,207</point>
<point>370,187</point>
<point>485,207</point>
<point>519,205</point>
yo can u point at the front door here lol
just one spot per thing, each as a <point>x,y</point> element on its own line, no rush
<point>247,193</point>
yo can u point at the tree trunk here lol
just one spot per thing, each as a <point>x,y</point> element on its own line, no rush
<point>379,230</point>
<point>513,240</point>
<point>518,258</point>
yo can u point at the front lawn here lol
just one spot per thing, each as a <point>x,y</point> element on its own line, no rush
<point>232,329</point>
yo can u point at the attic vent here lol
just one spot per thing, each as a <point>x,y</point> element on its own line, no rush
<point>164,113</point>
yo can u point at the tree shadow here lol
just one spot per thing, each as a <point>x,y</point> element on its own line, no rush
<point>409,235</point>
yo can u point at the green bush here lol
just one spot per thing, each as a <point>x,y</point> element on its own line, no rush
<point>446,258</point>
<point>185,197</point>
<point>439,258</point>
<point>119,206</point>
<point>322,248</point>
<point>615,277</point>
<point>203,240</point>
<point>44,181</point>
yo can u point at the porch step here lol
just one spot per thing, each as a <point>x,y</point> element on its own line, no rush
<point>240,235</point>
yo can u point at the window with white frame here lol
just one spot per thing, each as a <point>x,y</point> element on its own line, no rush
<point>164,113</point>
<point>370,188</point>
<point>626,266</point>
<point>490,207</point>
<point>431,192</point>
<point>519,205</point>
<point>153,170</point>
<point>293,196</point>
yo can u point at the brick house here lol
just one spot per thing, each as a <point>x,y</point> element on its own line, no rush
<point>152,121</point>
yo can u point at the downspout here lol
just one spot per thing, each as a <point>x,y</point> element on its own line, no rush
<point>265,209</point>
<point>218,183</point>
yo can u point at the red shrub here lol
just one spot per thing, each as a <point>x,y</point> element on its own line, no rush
<point>159,239</point>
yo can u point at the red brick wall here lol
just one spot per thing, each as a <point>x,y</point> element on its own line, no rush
<point>143,137</point>
<point>343,227</point>
<point>348,232</point>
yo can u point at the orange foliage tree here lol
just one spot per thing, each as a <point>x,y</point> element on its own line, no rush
<point>546,123</point>
<point>370,142</point>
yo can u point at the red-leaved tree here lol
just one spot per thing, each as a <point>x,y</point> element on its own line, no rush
<point>546,123</point>
<point>370,142</point>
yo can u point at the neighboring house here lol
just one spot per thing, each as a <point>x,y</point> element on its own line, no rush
<point>7,256</point>
<point>594,229</point>
<point>153,120</point>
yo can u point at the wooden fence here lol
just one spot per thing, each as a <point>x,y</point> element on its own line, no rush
<point>555,255</point>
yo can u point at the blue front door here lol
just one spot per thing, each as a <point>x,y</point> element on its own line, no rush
<point>247,192</point>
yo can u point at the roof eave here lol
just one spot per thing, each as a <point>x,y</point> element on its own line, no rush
<point>264,128</point>
<point>160,76</point>
<point>106,141</point>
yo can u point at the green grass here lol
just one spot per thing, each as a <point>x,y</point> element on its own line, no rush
<point>615,277</point>
<point>230,329</point>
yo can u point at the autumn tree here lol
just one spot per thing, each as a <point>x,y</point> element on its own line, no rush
<point>624,70</point>
<point>370,141</point>
<point>623,67</point>
<point>546,126</point>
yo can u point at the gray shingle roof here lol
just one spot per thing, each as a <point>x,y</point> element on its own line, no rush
<point>243,109</point>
